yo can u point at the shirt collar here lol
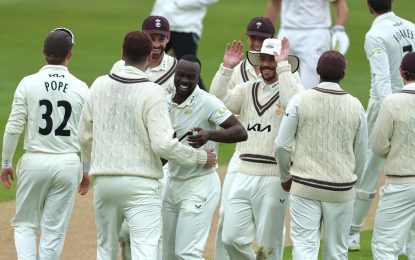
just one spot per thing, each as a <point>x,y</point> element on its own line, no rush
<point>270,86</point>
<point>330,85</point>
<point>384,17</point>
<point>410,86</point>
<point>162,65</point>
<point>55,67</point>
<point>131,72</point>
<point>189,100</point>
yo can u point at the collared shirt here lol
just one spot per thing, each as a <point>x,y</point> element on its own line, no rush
<point>388,40</point>
<point>164,71</point>
<point>202,110</point>
<point>288,130</point>
<point>300,14</point>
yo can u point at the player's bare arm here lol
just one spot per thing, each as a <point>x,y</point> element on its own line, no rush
<point>233,54</point>
<point>273,10</point>
<point>233,132</point>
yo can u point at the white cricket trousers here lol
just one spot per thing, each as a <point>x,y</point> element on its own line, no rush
<point>307,45</point>
<point>135,199</point>
<point>255,208</point>
<point>188,208</point>
<point>307,216</point>
<point>46,190</point>
<point>366,185</point>
<point>394,220</point>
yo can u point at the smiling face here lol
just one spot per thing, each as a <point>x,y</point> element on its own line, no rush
<point>268,68</point>
<point>186,77</point>
<point>255,42</point>
<point>159,43</point>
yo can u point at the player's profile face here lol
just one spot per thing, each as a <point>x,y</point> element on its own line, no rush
<point>268,67</point>
<point>255,42</point>
<point>186,77</point>
<point>159,43</point>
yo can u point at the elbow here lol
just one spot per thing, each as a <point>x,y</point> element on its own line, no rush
<point>242,134</point>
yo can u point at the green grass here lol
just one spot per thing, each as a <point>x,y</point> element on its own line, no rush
<point>99,27</point>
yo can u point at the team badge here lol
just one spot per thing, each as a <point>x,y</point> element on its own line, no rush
<point>189,111</point>
<point>279,111</point>
<point>258,24</point>
<point>158,23</point>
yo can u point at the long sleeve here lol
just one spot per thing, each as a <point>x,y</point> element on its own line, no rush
<point>379,66</point>
<point>161,135</point>
<point>360,143</point>
<point>85,130</point>
<point>233,99</point>
<point>221,82</point>
<point>18,115</point>
<point>286,138</point>
<point>289,86</point>
<point>380,139</point>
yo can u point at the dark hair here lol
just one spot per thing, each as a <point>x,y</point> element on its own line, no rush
<point>192,58</point>
<point>58,43</point>
<point>331,66</point>
<point>408,66</point>
<point>137,47</point>
<point>380,6</point>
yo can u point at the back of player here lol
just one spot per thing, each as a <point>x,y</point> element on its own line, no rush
<point>47,106</point>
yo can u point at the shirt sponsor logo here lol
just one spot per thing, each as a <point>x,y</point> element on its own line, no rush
<point>259,128</point>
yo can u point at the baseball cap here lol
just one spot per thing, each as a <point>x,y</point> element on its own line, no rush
<point>156,24</point>
<point>59,42</point>
<point>331,64</point>
<point>408,62</point>
<point>268,47</point>
<point>137,44</point>
<point>260,26</point>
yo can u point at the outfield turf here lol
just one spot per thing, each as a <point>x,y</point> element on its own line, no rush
<point>99,27</point>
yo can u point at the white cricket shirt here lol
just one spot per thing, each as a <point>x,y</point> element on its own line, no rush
<point>200,109</point>
<point>47,106</point>
<point>309,14</point>
<point>387,41</point>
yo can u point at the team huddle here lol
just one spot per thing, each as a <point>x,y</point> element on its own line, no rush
<point>148,135</point>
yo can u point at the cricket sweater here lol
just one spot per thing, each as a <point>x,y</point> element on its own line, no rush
<point>393,135</point>
<point>260,108</point>
<point>323,159</point>
<point>125,128</point>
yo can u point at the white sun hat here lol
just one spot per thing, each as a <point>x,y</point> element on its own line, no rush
<point>268,47</point>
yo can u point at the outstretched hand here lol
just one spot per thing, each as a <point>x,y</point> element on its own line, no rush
<point>233,54</point>
<point>285,49</point>
<point>199,139</point>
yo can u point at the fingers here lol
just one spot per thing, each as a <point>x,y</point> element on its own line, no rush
<point>6,176</point>
<point>234,47</point>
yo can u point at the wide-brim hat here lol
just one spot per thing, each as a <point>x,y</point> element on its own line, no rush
<point>270,46</point>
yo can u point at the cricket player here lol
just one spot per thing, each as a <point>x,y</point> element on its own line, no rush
<point>161,66</point>
<point>321,150</point>
<point>387,41</point>
<point>393,139</point>
<point>46,106</point>
<point>307,25</point>
<point>193,192</point>
<point>160,70</point>
<point>124,130</point>
<point>255,205</point>
<point>234,71</point>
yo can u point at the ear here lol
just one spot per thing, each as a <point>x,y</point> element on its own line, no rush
<point>43,51</point>
<point>168,38</point>
<point>123,55</point>
<point>318,70</point>
<point>69,55</point>
<point>342,75</point>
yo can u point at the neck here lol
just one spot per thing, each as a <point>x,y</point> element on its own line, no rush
<point>155,62</point>
<point>269,82</point>
<point>140,66</point>
<point>178,99</point>
<point>257,70</point>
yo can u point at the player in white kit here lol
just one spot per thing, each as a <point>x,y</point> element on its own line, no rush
<point>160,70</point>
<point>387,41</point>
<point>234,71</point>
<point>46,106</point>
<point>193,192</point>
<point>256,203</point>
<point>393,139</point>
<point>321,149</point>
<point>307,25</point>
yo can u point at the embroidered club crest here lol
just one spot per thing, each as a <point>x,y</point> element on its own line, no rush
<point>158,23</point>
<point>258,24</point>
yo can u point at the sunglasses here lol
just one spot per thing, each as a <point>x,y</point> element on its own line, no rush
<point>67,31</point>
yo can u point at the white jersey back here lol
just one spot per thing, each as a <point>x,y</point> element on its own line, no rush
<point>387,41</point>
<point>305,14</point>
<point>48,104</point>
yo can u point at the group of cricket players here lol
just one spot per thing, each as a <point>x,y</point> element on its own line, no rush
<point>148,135</point>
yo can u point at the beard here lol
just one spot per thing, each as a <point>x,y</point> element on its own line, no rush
<point>268,73</point>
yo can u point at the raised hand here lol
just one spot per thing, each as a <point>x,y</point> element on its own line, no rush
<point>285,49</point>
<point>233,54</point>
